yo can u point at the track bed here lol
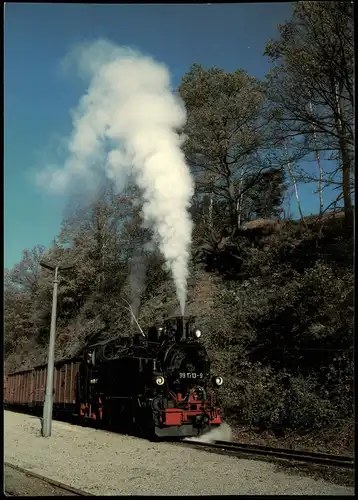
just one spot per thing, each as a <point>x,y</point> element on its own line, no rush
<point>22,482</point>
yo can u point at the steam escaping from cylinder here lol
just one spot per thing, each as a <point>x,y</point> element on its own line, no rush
<point>126,124</point>
<point>222,433</point>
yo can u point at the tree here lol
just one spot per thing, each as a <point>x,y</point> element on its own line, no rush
<point>27,299</point>
<point>311,86</point>
<point>92,235</point>
<point>106,240</point>
<point>25,275</point>
<point>228,139</point>
<point>266,195</point>
<point>18,322</point>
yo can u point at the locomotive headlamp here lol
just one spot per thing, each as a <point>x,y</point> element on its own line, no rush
<point>219,380</point>
<point>197,333</point>
<point>159,380</point>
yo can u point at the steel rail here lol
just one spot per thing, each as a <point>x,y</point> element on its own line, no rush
<point>233,448</point>
<point>52,482</point>
<point>285,450</point>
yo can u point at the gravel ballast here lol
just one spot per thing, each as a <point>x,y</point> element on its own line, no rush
<point>105,463</point>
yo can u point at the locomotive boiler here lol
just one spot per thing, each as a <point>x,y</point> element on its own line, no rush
<point>159,384</point>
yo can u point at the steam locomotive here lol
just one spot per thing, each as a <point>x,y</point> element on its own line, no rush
<point>159,384</point>
<point>156,385</point>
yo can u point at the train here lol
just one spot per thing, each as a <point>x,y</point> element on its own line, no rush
<point>157,383</point>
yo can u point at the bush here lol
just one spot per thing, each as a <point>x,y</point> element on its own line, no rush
<point>282,335</point>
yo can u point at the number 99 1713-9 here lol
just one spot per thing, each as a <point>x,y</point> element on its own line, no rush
<point>191,375</point>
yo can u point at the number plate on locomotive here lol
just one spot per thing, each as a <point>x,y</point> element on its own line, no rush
<point>191,375</point>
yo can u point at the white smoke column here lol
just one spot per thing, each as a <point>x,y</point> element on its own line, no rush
<point>138,273</point>
<point>130,108</point>
<point>137,276</point>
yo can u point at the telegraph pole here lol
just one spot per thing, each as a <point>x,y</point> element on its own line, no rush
<point>48,403</point>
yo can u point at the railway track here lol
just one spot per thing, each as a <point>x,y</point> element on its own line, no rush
<point>241,449</point>
<point>38,483</point>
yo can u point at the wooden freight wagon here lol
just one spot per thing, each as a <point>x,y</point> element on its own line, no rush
<point>27,388</point>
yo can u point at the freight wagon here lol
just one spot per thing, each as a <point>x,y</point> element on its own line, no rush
<point>26,389</point>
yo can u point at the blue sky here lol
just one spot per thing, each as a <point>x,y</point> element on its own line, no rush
<point>38,97</point>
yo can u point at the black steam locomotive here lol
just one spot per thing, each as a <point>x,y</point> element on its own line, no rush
<point>158,384</point>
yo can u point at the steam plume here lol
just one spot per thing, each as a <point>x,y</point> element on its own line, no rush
<point>126,123</point>
<point>137,277</point>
